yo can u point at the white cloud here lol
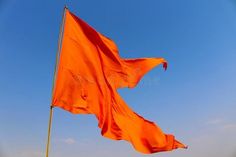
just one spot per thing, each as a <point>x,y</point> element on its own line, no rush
<point>69,141</point>
<point>222,124</point>
<point>229,127</point>
<point>215,121</point>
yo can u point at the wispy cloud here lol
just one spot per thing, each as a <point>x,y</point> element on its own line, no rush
<point>229,127</point>
<point>215,121</point>
<point>69,141</point>
<point>222,124</point>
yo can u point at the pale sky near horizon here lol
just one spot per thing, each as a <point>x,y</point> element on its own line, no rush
<point>195,99</point>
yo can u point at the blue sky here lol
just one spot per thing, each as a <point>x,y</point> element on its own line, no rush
<point>195,99</point>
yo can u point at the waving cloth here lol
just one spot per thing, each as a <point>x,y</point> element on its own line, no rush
<point>88,74</point>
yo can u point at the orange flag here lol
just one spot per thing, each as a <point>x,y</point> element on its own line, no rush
<point>88,74</point>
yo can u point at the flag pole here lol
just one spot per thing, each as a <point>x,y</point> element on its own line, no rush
<point>54,78</point>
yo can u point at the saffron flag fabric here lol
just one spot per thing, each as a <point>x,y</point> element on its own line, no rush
<point>89,72</point>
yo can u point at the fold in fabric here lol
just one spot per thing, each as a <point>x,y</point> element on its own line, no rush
<point>88,74</point>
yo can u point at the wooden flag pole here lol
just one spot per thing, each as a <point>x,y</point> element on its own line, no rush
<point>54,78</point>
<point>49,130</point>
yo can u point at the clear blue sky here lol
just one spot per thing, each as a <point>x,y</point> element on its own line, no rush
<point>195,98</point>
